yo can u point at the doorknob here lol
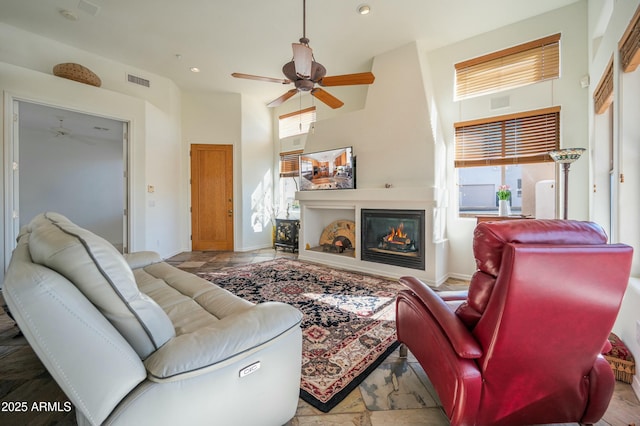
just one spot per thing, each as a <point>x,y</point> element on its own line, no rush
<point>229,211</point>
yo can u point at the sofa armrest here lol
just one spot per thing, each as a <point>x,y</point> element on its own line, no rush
<point>210,347</point>
<point>463,342</point>
<point>140,259</point>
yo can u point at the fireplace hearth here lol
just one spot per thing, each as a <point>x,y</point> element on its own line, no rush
<point>393,237</point>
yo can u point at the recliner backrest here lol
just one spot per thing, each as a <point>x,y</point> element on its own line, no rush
<point>102,274</point>
<point>549,315</point>
<point>489,242</point>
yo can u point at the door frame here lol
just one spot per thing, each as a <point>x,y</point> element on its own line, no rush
<point>11,200</point>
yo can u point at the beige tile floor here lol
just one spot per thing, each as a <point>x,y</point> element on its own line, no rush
<point>398,392</point>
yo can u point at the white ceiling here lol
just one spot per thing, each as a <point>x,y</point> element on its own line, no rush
<point>254,37</point>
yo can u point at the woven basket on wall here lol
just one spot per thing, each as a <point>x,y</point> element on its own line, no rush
<point>77,72</point>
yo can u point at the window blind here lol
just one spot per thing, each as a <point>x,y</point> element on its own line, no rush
<point>603,95</point>
<point>296,123</point>
<point>509,139</point>
<point>629,45</point>
<point>289,163</point>
<point>516,66</point>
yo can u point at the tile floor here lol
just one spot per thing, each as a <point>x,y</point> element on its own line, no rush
<point>398,392</point>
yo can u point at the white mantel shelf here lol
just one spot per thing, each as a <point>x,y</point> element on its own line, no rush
<point>421,193</point>
<point>319,208</point>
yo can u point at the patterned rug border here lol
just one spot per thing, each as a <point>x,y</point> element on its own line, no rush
<point>305,395</point>
<point>325,407</point>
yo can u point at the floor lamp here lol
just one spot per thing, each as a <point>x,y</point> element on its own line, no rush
<point>565,157</point>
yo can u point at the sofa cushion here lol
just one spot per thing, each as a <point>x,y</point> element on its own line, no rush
<point>103,275</point>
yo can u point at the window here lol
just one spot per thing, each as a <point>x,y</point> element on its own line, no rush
<point>517,66</point>
<point>289,163</point>
<point>289,177</point>
<point>296,123</point>
<point>509,139</point>
<point>508,150</point>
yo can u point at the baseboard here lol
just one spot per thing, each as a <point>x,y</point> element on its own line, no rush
<point>463,277</point>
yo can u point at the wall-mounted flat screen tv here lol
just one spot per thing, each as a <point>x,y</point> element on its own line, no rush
<point>332,169</point>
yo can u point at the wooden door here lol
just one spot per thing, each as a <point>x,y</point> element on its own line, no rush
<point>212,197</point>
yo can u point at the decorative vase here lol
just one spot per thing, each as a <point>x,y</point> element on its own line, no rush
<point>503,208</point>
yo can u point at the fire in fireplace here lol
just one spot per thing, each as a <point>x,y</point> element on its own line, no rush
<point>393,237</point>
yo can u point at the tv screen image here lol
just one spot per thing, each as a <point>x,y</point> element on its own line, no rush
<point>332,169</point>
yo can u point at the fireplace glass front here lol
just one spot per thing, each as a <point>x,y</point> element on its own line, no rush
<point>393,237</point>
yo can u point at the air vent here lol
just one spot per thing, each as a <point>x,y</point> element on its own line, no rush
<point>501,102</point>
<point>138,80</point>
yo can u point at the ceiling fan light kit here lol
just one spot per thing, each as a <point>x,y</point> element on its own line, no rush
<point>304,72</point>
<point>364,9</point>
<point>302,58</point>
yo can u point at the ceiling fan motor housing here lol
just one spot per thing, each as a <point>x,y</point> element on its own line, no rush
<point>318,71</point>
<point>304,85</point>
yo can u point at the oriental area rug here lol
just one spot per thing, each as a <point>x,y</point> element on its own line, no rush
<point>348,327</point>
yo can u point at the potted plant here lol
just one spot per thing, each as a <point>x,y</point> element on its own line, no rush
<point>504,198</point>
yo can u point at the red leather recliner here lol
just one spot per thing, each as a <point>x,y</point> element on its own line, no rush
<point>524,344</point>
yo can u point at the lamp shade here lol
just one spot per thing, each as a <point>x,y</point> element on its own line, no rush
<point>302,58</point>
<point>566,155</point>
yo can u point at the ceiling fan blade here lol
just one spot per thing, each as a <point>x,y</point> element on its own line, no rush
<point>283,98</point>
<point>259,78</point>
<point>327,98</point>
<point>348,79</point>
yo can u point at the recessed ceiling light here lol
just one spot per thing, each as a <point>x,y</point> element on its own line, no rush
<point>69,15</point>
<point>364,9</point>
<point>194,69</point>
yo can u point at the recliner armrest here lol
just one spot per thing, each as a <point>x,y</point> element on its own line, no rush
<point>140,259</point>
<point>208,348</point>
<point>462,341</point>
<point>454,295</point>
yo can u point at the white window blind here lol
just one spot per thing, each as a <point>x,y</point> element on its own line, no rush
<point>516,66</point>
<point>509,139</point>
<point>296,123</point>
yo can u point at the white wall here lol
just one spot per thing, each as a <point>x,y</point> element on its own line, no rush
<point>230,119</point>
<point>165,213</point>
<point>566,91</point>
<point>256,152</point>
<point>26,61</point>
<point>391,137</point>
<point>58,171</point>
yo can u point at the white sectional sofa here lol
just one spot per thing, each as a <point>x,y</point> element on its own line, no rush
<point>133,340</point>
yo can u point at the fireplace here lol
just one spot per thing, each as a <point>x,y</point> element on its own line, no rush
<point>393,237</point>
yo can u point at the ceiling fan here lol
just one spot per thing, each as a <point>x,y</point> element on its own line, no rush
<point>60,130</point>
<point>305,73</point>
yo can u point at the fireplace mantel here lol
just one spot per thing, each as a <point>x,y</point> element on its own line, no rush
<point>421,193</point>
<point>319,208</point>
